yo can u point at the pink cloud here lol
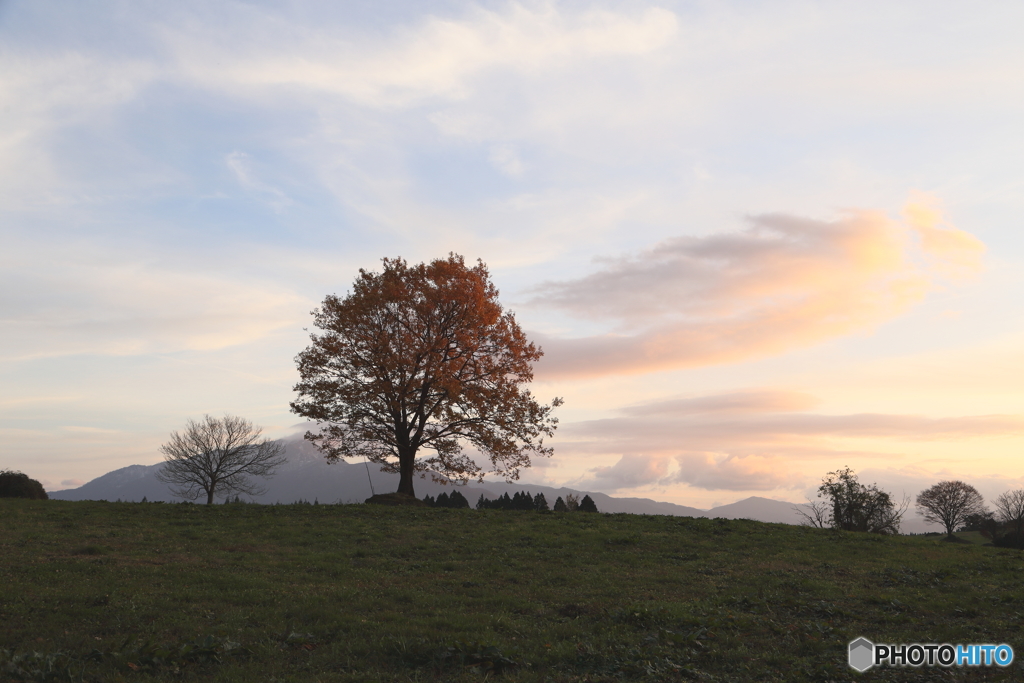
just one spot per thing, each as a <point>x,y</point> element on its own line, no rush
<point>785,282</point>
<point>632,470</point>
<point>742,441</point>
<point>771,434</point>
<point>736,402</point>
<point>957,252</point>
<point>734,473</point>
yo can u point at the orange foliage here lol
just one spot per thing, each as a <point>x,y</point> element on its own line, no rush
<point>423,357</point>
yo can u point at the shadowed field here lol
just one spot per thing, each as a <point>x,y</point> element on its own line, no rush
<point>93,591</point>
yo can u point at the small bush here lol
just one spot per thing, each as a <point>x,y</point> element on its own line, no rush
<point>18,485</point>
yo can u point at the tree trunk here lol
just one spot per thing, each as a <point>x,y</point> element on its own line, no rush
<point>406,468</point>
<point>209,496</point>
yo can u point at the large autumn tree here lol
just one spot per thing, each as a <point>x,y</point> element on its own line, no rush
<point>423,358</point>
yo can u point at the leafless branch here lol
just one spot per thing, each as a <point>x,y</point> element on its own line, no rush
<point>218,456</point>
<point>816,515</point>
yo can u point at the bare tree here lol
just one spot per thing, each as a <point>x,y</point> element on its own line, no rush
<point>1010,506</point>
<point>816,514</point>
<point>218,456</point>
<point>949,503</point>
<point>884,513</point>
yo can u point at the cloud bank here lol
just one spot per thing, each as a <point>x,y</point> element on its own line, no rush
<point>751,441</point>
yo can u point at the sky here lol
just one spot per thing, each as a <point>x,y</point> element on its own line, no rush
<point>757,241</point>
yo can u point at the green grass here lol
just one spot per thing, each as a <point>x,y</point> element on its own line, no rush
<point>151,592</point>
<point>973,537</point>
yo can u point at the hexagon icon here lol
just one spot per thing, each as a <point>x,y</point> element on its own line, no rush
<point>862,654</point>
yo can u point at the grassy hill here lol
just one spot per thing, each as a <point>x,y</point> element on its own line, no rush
<point>97,591</point>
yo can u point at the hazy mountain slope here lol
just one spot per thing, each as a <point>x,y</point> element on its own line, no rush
<point>128,483</point>
<point>306,476</point>
<point>761,509</point>
<point>768,510</point>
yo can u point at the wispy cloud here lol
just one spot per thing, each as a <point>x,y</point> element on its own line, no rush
<point>783,283</point>
<point>955,252</point>
<point>439,57</point>
<point>741,402</point>
<point>506,159</point>
<point>241,165</point>
<point>120,308</point>
<point>44,97</point>
<point>776,434</point>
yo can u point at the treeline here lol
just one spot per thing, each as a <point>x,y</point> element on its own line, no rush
<point>850,505</point>
<point>522,500</point>
<point>456,500</point>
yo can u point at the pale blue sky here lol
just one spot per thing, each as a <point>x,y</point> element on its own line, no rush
<point>180,183</point>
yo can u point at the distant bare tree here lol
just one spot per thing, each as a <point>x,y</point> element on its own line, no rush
<point>218,456</point>
<point>889,514</point>
<point>950,503</point>
<point>572,502</point>
<point>1010,506</point>
<point>816,515</point>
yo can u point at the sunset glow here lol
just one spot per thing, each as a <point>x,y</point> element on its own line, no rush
<point>752,250</point>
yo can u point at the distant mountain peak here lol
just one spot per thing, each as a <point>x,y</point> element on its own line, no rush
<point>306,476</point>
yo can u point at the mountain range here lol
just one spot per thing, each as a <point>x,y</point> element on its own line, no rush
<point>305,476</point>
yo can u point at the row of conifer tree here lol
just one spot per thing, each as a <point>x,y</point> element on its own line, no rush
<point>522,500</point>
